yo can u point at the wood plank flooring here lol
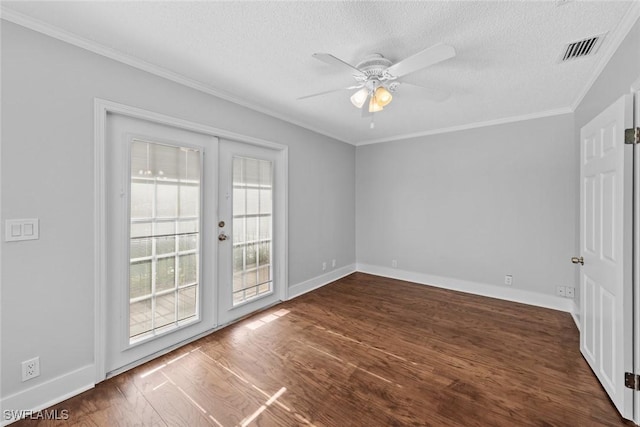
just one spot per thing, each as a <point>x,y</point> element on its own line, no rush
<point>364,351</point>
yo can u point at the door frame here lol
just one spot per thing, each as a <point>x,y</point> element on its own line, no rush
<point>635,274</point>
<point>104,107</point>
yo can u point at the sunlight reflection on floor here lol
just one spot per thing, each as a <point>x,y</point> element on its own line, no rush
<point>266,319</point>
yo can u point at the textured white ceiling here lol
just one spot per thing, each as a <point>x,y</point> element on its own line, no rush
<point>260,53</point>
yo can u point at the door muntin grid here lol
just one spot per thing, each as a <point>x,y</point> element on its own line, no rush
<point>164,238</point>
<point>252,213</point>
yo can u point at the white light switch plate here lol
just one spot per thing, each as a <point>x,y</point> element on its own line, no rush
<point>21,229</point>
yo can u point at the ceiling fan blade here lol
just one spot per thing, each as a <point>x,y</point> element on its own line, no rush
<point>330,91</point>
<point>423,59</point>
<point>332,60</point>
<point>431,93</point>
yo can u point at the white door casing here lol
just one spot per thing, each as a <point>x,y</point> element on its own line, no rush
<point>605,222</point>
<point>636,250</point>
<point>121,132</point>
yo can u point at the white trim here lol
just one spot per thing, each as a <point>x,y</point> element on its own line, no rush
<point>476,288</point>
<point>99,237</point>
<point>73,39</point>
<point>92,46</point>
<point>636,85</point>
<point>284,246</point>
<point>139,113</point>
<point>505,120</point>
<point>1,246</point>
<point>102,108</point>
<point>320,281</point>
<point>575,315</point>
<point>611,47</point>
<point>50,392</point>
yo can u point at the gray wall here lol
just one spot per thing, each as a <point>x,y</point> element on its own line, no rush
<point>622,70</point>
<point>473,205</point>
<point>48,90</point>
<point>478,204</point>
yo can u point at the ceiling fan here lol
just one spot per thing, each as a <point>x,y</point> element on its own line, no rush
<point>377,77</point>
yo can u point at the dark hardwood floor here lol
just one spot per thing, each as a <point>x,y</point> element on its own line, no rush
<point>364,351</point>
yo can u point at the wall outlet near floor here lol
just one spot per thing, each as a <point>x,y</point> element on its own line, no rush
<point>30,368</point>
<point>324,266</point>
<point>566,291</point>
<point>508,280</point>
<point>333,263</point>
<point>394,263</point>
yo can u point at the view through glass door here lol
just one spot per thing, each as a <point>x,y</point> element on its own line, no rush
<point>161,184</point>
<point>248,229</point>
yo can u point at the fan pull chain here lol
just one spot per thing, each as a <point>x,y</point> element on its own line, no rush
<point>372,125</point>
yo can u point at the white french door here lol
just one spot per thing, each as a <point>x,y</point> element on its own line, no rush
<point>161,187</point>
<point>251,229</point>
<point>606,335</point>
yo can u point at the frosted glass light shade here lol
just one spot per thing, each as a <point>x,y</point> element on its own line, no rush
<point>374,107</point>
<point>358,99</point>
<point>383,96</point>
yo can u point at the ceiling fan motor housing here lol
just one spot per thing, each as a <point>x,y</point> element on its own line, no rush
<point>374,65</point>
<point>373,70</point>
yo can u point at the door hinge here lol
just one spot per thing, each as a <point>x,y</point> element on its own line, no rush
<point>632,136</point>
<point>632,381</point>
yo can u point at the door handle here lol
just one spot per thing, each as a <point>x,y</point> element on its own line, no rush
<point>577,260</point>
<point>222,237</point>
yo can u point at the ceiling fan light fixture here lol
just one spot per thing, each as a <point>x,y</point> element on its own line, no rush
<point>382,96</point>
<point>358,99</point>
<point>374,106</point>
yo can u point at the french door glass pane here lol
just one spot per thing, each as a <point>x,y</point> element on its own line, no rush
<point>252,228</point>
<point>164,269</point>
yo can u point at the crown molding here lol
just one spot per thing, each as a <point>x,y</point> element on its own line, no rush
<point>505,120</point>
<point>92,46</point>
<point>618,36</point>
<point>36,25</point>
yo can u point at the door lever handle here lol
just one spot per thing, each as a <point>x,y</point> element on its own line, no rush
<point>577,260</point>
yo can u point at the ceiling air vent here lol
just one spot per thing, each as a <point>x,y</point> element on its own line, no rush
<point>582,48</point>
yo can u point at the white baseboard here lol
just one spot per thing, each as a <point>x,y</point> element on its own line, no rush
<point>73,383</point>
<point>484,289</point>
<point>46,394</point>
<point>319,281</point>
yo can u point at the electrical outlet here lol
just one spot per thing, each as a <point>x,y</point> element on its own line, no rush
<point>333,263</point>
<point>324,266</point>
<point>394,263</point>
<point>508,280</point>
<point>570,291</point>
<point>30,368</point>
<point>561,291</point>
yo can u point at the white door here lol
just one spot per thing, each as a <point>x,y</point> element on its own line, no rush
<point>606,334</point>
<point>251,229</point>
<point>161,184</point>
